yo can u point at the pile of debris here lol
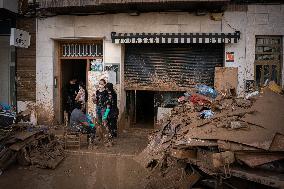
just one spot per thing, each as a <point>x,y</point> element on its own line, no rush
<point>29,145</point>
<point>7,115</point>
<point>221,136</point>
<point>27,116</point>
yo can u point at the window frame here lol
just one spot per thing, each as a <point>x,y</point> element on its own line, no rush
<point>270,63</point>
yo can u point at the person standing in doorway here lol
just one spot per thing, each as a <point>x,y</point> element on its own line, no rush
<point>82,96</point>
<point>71,92</point>
<point>113,110</point>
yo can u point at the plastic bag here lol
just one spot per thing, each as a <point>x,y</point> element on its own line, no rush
<point>206,114</point>
<point>207,91</point>
<point>255,93</point>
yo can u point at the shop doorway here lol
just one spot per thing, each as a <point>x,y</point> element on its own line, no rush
<point>146,109</point>
<point>140,108</point>
<point>145,114</point>
<point>71,68</point>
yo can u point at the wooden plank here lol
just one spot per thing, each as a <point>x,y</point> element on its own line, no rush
<point>184,153</point>
<point>25,135</point>
<point>277,143</point>
<point>19,145</point>
<point>255,159</point>
<point>195,142</point>
<point>232,146</point>
<point>263,177</point>
<point>223,158</point>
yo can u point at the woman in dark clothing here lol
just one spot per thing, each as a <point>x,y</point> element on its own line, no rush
<point>114,112</point>
<point>100,100</point>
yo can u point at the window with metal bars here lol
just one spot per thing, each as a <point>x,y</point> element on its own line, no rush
<point>81,49</point>
<point>268,58</point>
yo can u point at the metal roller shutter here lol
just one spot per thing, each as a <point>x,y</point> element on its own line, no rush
<point>171,67</point>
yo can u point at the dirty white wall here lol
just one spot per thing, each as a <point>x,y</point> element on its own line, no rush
<point>231,22</point>
<point>259,20</point>
<point>24,105</point>
<point>5,69</point>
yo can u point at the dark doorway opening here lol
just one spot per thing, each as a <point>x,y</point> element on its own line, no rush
<point>145,114</point>
<point>71,68</point>
<point>140,108</point>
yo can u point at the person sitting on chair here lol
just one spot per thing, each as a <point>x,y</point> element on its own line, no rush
<point>79,122</point>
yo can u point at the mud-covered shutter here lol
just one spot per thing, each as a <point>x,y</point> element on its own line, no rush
<point>165,67</point>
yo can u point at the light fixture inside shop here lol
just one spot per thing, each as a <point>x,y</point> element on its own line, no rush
<point>200,13</point>
<point>134,13</point>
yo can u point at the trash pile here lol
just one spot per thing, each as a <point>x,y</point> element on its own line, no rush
<point>7,115</point>
<point>28,115</point>
<point>29,145</point>
<point>220,136</point>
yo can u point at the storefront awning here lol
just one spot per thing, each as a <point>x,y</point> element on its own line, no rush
<point>175,37</point>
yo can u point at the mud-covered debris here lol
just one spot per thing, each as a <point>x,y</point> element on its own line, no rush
<point>238,125</point>
<point>29,145</point>
<point>252,94</point>
<point>241,131</point>
<point>274,87</point>
<point>243,103</point>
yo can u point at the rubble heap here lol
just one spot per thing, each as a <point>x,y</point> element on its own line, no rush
<point>29,145</point>
<point>226,136</point>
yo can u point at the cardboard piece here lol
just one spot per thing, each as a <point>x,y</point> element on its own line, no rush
<point>226,78</point>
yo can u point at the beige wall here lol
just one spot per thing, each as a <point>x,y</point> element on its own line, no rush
<point>259,20</point>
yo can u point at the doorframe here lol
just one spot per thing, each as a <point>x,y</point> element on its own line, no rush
<point>58,71</point>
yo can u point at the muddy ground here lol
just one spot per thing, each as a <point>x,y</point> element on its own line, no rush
<point>101,168</point>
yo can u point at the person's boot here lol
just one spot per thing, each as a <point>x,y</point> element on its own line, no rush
<point>108,137</point>
<point>109,143</point>
<point>90,143</point>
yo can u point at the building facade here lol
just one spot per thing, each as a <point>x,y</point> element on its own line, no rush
<point>153,56</point>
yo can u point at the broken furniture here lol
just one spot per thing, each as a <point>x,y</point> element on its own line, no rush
<point>72,139</point>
